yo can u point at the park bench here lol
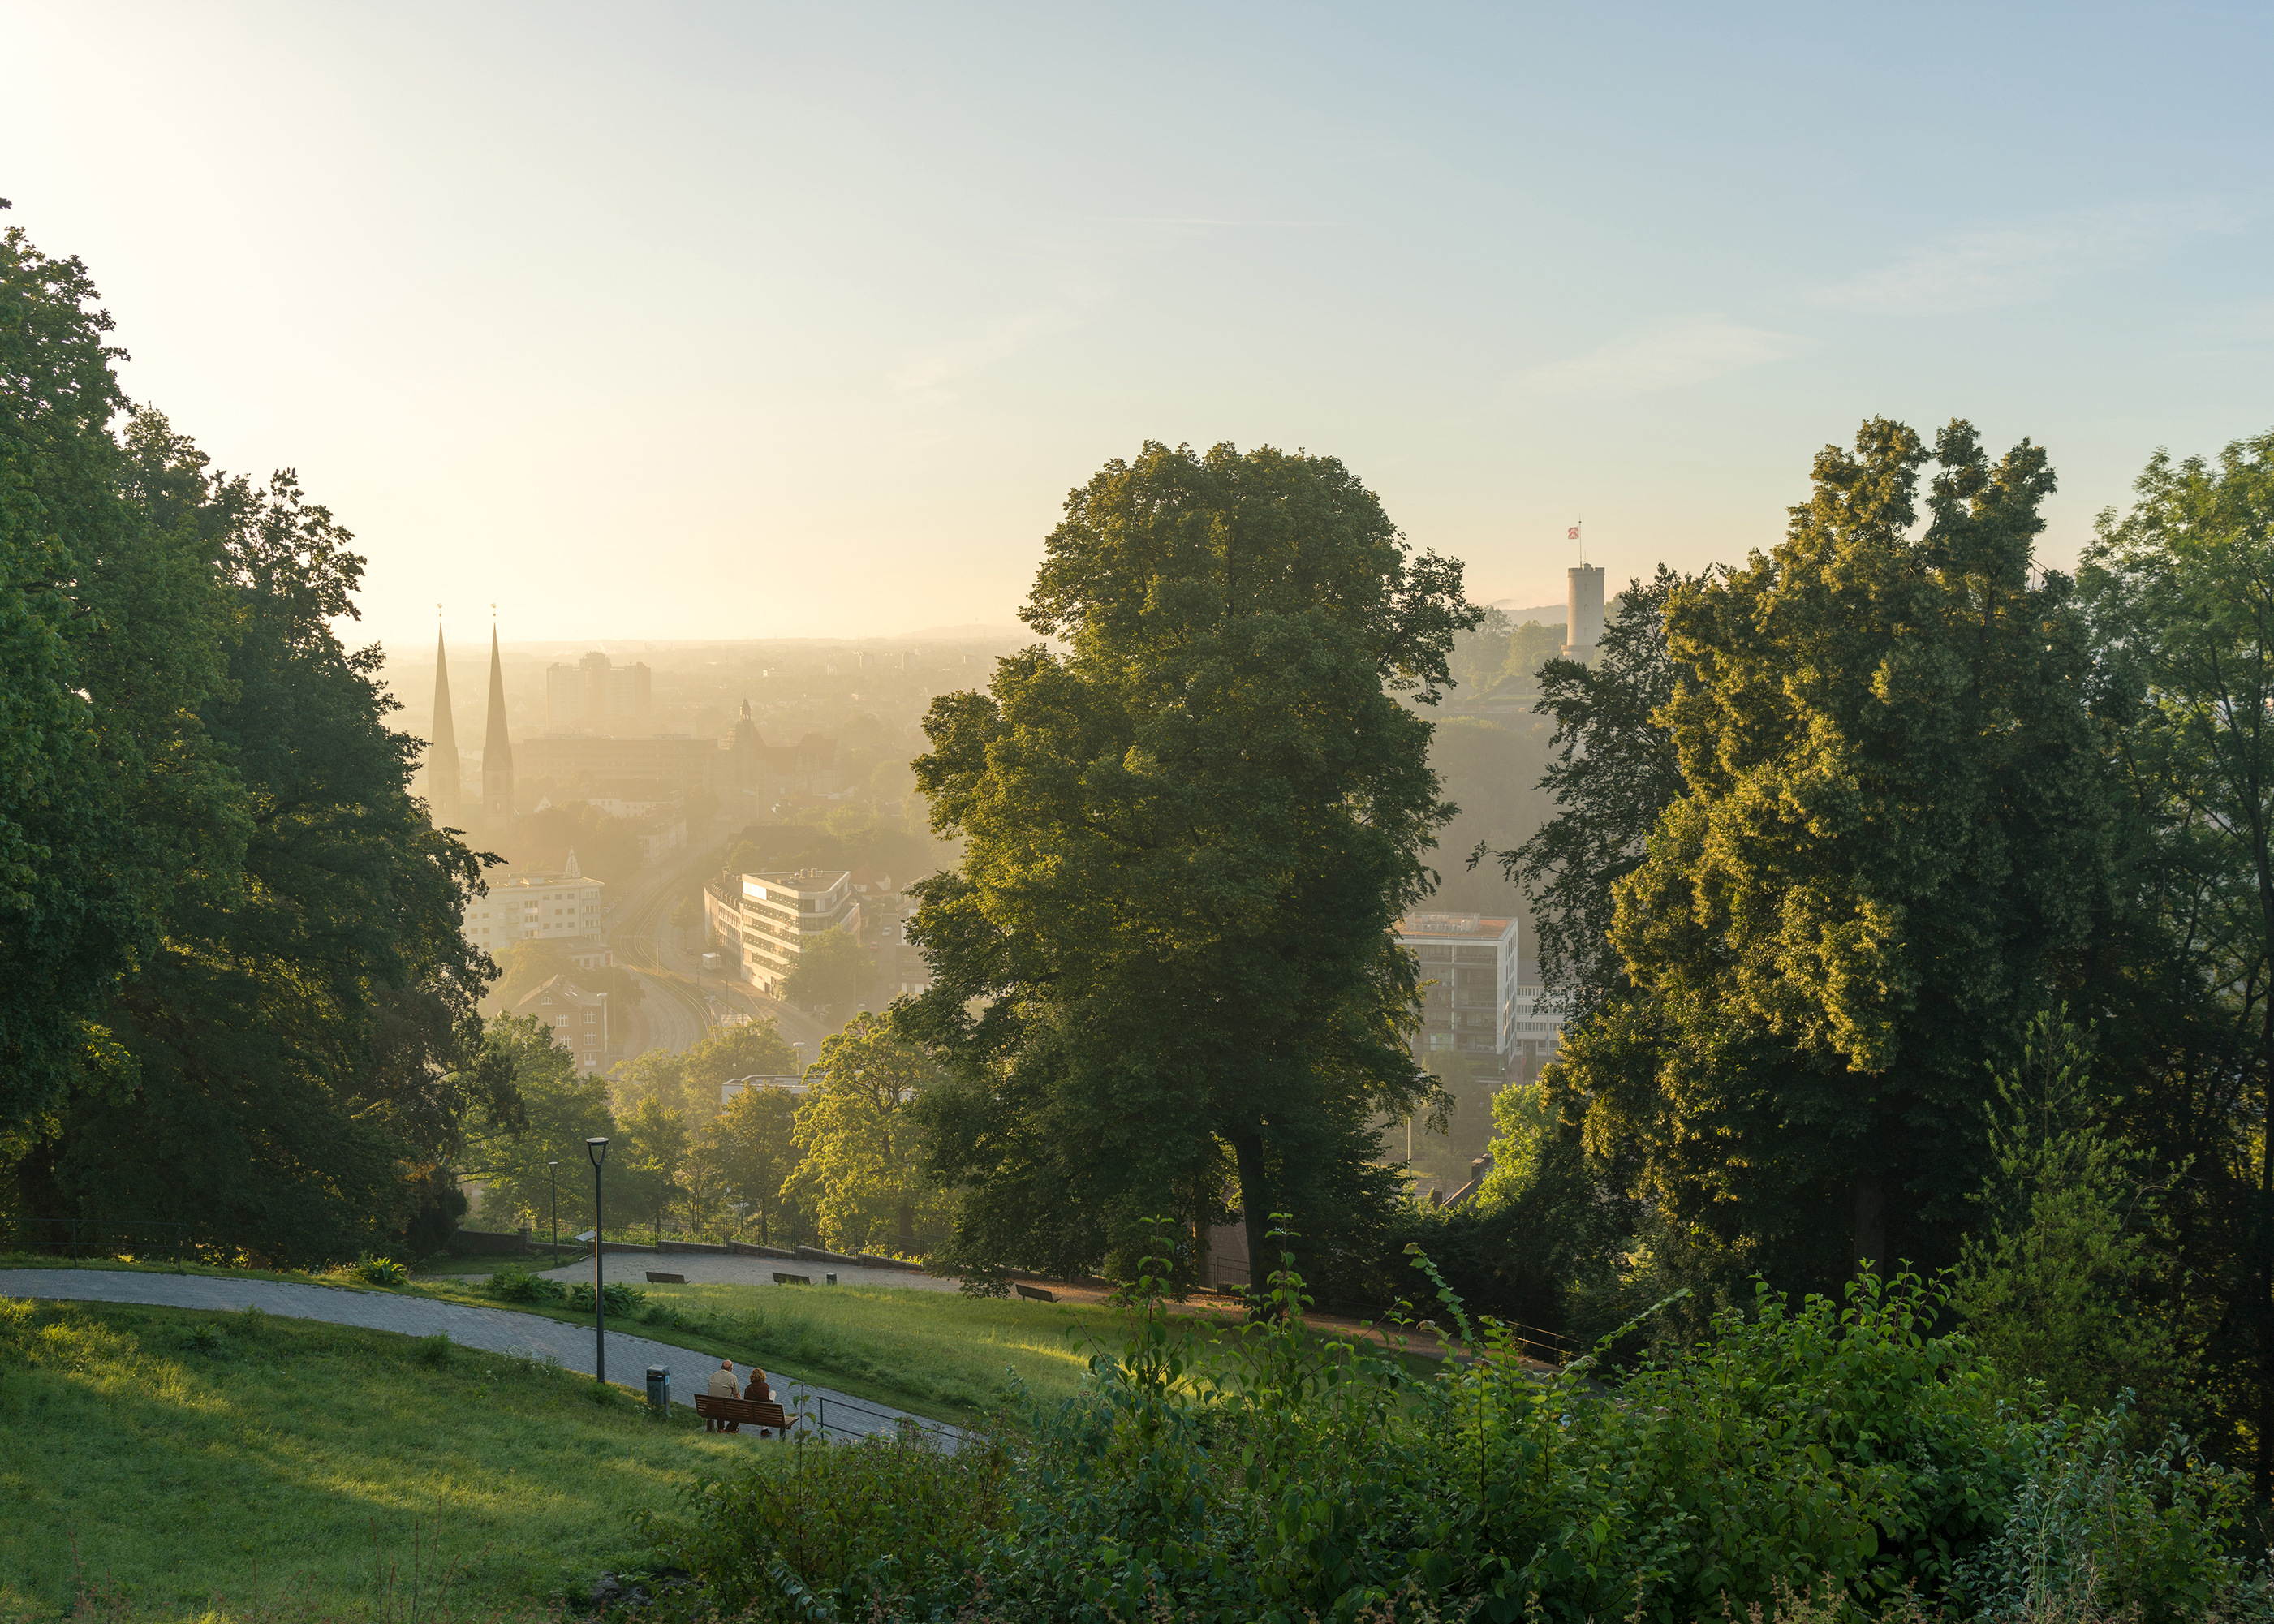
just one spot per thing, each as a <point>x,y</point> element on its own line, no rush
<point>1035,1294</point>
<point>781,1278</point>
<point>750,1412</point>
<point>657,1277</point>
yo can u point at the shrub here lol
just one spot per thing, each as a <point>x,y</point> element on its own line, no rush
<point>622,1301</point>
<point>380,1271</point>
<point>520,1286</point>
<point>435,1350</point>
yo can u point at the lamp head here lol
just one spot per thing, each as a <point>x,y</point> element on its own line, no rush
<point>597,1149</point>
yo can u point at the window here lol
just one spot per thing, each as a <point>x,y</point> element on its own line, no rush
<point>591,1016</point>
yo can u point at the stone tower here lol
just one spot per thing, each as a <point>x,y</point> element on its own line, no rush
<point>1583,612</point>
<point>497,756</point>
<point>442,748</point>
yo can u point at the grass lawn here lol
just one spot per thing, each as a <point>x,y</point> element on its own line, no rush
<point>187,1465</point>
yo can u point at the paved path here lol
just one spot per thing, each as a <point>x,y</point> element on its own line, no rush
<point>711,1268</point>
<point>494,1330</point>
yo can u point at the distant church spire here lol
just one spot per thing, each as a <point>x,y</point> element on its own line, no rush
<point>442,747</point>
<point>572,872</point>
<point>497,753</point>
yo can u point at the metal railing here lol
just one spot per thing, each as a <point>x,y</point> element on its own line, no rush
<point>822,1405</point>
<point>94,1238</point>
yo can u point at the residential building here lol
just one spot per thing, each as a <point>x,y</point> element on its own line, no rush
<point>747,774</point>
<point>1469,962</point>
<point>578,1016</point>
<point>532,904</point>
<point>762,921</point>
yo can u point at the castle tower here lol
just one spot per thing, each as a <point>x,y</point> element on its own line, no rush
<point>442,748</point>
<point>1583,612</point>
<point>497,754</point>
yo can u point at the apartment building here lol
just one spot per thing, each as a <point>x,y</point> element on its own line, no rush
<point>528,905</point>
<point>1470,1005</point>
<point>578,1016</point>
<point>762,921</point>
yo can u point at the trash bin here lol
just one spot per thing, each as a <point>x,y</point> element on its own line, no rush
<point>659,1389</point>
<point>830,1279</point>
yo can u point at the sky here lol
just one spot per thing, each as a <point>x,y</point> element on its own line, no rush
<point>687,322</point>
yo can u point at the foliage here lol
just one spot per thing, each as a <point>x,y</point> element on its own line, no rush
<point>1801,1446</point>
<point>645,1162</point>
<point>862,1142</point>
<point>513,1285</point>
<point>564,1107</point>
<point>622,1301</point>
<point>1893,848</point>
<point>381,1271</point>
<point>688,1082</point>
<point>753,1143</point>
<point>2065,1281</point>
<point>1186,837</point>
<point>889,1525</point>
<point>1615,771</point>
<point>832,972</point>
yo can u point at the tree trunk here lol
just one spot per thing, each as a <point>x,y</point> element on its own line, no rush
<point>907,1229</point>
<point>1203,1205</point>
<point>1256,1209</point>
<point>1870,1234</point>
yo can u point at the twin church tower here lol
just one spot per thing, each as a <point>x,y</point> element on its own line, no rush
<point>491,816</point>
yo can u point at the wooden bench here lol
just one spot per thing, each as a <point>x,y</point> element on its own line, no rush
<point>657,1277</point>
<point>750,1412</point>
<point>1035,1294</point>
<point>781,1278</point>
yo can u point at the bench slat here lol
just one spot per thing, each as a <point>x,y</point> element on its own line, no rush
<point>711,1407</point>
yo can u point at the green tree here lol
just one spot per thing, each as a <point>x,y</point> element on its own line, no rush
<point>862,1147</point>
<point>754,1146</point>
<point>1615,771</point>
<point>1892,851</point>
<point>2066,1279</point>
<point>115,804</point>
<point>2180,589</point>
<point>563,1107</point>
<point>607,848</point>
<point>1186,837</point>
<point>832,972</point>
<point>657,1074</point>
<point>646,1163</point>
<point>1530,647</point>
<point>754,1049</point>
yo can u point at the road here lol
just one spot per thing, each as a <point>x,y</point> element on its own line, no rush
<point>680,1004</point>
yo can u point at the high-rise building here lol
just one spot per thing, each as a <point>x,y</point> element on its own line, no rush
<point>592,694</point>
<point>442,748</point>
<point>497,754</point>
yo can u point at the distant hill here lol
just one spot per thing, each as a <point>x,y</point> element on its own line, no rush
<point>1547,614</point>
<point>974,633</point>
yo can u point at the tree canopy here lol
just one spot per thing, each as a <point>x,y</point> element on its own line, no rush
<point>1165,956</point>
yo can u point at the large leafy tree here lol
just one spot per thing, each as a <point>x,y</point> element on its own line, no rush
<point>753,1145</point>
<point>115,803</point>
<point>860,1167</point>
<point>540,1171</point>
<point>1188,832</point>
<point>1891,849</point>
<point>2180,589</point>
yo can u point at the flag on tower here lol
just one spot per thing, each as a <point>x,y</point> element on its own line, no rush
<point>1573,532</point>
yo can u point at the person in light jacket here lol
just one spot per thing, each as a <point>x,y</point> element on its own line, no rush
<point>722,1385</point>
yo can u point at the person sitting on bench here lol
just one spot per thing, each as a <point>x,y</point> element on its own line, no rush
<point>722,1385</point>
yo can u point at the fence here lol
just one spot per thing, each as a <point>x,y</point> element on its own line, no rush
<point>93,1237</point>
<point>823,1404</point>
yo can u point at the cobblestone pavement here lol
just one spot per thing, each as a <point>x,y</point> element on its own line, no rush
<point>494,1330</point>
<point>713,1269</point>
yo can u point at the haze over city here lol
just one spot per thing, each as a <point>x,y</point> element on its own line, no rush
<point>717,322</point>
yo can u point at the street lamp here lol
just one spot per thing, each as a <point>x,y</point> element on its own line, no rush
<point>598,1150</point>
<point>554,1173</point>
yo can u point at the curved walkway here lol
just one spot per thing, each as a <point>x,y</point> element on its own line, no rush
<point>494,1330</point>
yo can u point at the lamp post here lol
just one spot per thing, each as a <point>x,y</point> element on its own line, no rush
<point>554,1173</point>
<point>598,1150</point>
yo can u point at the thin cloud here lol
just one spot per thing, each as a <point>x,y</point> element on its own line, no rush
<point>2019,264</point>
<point>929,370</point>
<point>1685,351</point>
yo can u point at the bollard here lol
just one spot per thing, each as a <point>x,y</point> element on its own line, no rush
<point>659,1389</point>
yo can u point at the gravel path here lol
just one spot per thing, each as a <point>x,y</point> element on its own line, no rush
<point>494,1330</point>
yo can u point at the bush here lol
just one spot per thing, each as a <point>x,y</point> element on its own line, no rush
<point>1841,1450</point>
<point>521,1286</point>
<point>380,1271</point>
<point>622,1301</point>
<point>435,1350</point>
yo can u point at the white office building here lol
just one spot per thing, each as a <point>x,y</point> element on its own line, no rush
<point>1480,1001</point>
<point>762,921</point>
<point>530,904</point>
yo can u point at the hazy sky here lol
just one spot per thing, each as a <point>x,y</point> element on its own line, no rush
<point>742,321</point>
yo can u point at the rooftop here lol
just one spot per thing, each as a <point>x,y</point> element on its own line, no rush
<point>1452,925</point>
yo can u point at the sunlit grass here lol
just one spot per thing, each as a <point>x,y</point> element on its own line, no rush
<point>239,1464</point>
